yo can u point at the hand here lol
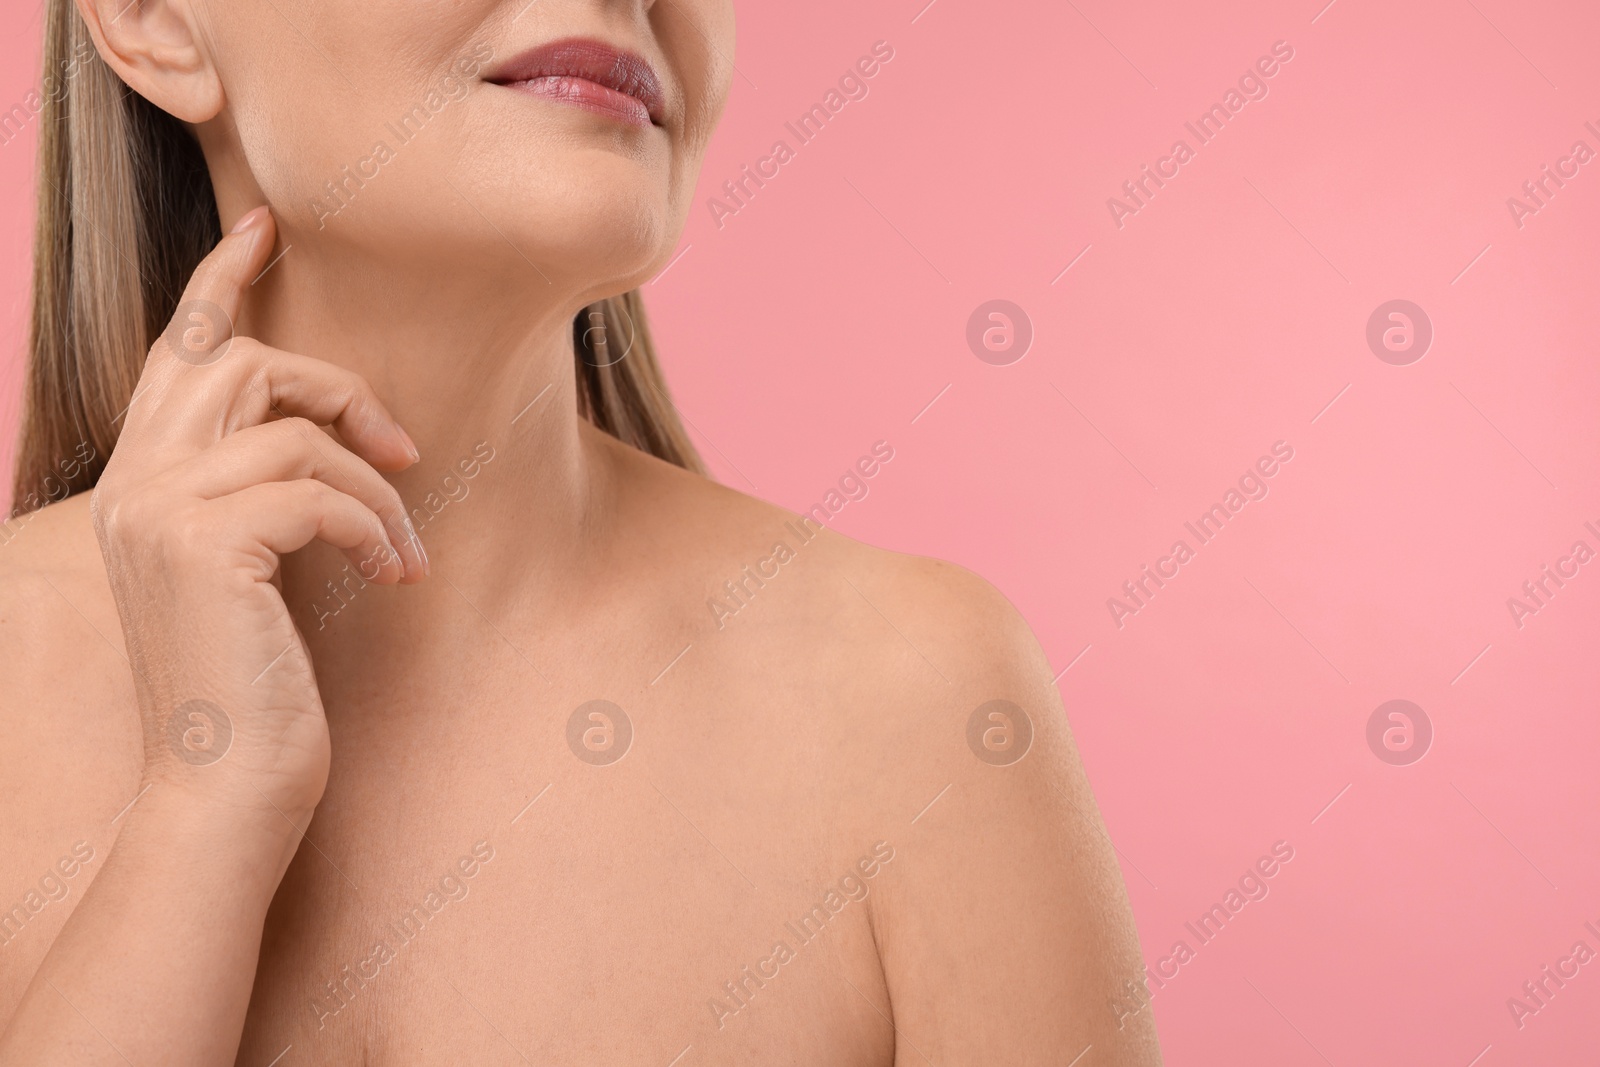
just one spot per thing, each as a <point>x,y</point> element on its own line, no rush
<point>220,469</point>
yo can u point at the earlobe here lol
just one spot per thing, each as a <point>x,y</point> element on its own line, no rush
<point>156,48</point>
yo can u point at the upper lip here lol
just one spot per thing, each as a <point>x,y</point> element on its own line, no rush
<point>583,57</point>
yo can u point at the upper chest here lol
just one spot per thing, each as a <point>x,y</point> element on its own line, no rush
<point>509,867</point>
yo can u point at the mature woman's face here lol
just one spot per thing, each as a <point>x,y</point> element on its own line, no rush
<point>412,127</point>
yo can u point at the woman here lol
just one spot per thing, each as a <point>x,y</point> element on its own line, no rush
<point>396,527</point>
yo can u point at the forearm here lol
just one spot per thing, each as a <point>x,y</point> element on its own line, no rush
<point>156,963</point>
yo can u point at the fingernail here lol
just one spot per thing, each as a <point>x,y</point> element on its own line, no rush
<point>422,554</point>
<point>249,219</point>
<point>405,439</point>
<point>416,546</point>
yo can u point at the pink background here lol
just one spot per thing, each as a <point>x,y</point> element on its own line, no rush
<point>1223,317</point>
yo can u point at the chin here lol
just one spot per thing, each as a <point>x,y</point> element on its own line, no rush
<point>609,222</point>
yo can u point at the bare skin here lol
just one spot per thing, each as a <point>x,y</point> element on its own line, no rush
<point>403,856</point>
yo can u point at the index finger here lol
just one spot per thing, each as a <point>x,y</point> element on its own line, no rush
<point>205,315</point>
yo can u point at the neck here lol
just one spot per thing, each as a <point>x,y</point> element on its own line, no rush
<point>480,374</point>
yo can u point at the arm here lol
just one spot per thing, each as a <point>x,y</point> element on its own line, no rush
<point>156,962</point>
<point>203,494</point>
<point>1006,936</point>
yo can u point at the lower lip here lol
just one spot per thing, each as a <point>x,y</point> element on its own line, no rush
<point>591,96</point>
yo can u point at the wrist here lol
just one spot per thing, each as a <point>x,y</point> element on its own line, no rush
<point>233,835</point>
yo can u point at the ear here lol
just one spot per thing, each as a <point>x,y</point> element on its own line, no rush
<point>156,48</point>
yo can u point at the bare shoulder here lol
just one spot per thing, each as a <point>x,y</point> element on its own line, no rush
<point>907,631</point>
<point>916,660</point>
<point>71,755</point>
<point>913,698</point>
<point>57,616</point>
<point>961,760</point>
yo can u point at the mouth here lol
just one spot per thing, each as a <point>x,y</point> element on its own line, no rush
<point>589,74</point>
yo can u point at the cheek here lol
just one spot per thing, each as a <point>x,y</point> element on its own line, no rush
<point>315,88</point>
<point>330,103</point>
<point>697,40</point>
<point>701,56</point>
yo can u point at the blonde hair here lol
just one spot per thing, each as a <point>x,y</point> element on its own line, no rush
<point>126,213</point>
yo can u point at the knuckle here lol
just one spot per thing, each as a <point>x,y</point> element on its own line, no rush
<point>189,531</point>
<point>102,508</point>
<point>299,427</point>
<point>141,520</point>
<point>312,495</point>
<point>359,390</point>
<point>350,387</point>
<point>116,517</point>
<point>247,355</point>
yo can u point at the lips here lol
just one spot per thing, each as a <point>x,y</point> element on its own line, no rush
<point>589,74</point>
